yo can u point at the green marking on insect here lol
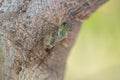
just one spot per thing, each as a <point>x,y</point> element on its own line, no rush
<point>63,30</point>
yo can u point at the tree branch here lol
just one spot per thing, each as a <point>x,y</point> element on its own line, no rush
<point>33,48</point>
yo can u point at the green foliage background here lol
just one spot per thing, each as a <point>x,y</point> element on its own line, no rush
<point>96,54</point>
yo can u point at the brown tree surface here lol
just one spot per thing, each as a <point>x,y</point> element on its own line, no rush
<point>37,36</point>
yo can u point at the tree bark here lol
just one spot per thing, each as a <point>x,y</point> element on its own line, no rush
<point>36,41</point>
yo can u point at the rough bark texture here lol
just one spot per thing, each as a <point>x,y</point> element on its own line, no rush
<point>27,28</point>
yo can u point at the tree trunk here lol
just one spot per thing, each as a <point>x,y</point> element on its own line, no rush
<point>37,36</point>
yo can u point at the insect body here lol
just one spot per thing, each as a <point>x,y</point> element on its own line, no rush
<point>50,38</point>
<point>55,35</point>
<point>63,30</point>
<point>50,41</point>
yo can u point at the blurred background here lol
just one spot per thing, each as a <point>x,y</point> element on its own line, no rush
<point>96,54</point>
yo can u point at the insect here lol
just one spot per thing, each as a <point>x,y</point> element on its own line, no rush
<point>63,30</point>
<point>51,38</point>
<point>56,34</point>
<point>50,41</point>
